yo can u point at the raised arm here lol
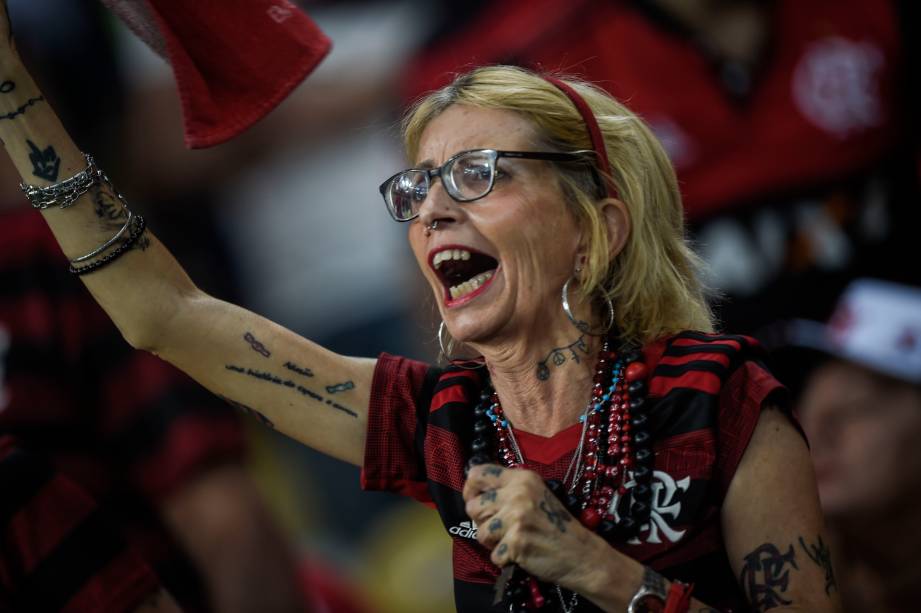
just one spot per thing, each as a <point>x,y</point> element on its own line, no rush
<point>309,393</point>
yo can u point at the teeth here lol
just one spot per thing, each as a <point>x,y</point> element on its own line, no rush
<point>450,254</point>
<point>470,286</point>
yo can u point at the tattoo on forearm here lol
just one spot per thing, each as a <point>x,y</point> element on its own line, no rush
<point>558,357</point>
<point>495,525</point>
<point>45,163</point>
<point>556,514</point>
<point>6,87</point>
<point>298,369</point>
<point>340,387</point>
<point>488,496</point>
<point>265,421</point>
<point>821,555</point>
<point>276,380</point>
<point>765,576</point>
<point>256,345</point>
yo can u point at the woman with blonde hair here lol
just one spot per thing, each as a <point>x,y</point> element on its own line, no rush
<point>604,449</point>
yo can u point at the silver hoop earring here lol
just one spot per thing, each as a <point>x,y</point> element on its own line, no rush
<point>471,364</point>
<point>581,325</point>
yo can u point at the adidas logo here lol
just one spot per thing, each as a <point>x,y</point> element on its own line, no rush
<point>466,529</point>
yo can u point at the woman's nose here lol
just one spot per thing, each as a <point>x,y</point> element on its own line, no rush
<point>438,206</point>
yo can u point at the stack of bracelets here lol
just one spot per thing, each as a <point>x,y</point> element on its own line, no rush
<point>66,193</point>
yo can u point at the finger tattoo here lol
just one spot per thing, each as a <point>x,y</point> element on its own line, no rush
<point>488,496</point>
<point>495,525</point>
<point>501,551</point>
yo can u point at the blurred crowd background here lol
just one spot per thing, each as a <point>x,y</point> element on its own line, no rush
<point>793,127</point>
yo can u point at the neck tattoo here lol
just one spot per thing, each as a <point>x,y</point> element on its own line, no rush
<point>558,356</point>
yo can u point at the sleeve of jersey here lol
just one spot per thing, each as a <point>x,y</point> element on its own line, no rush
<point>396,428</point>
<point>747,391</point>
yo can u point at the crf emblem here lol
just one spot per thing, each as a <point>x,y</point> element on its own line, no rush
<point>666,506</point>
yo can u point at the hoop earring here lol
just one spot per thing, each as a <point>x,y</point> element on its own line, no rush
<point>581,325</point>
<point>471,364</point>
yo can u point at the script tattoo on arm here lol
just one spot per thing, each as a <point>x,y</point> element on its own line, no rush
<point>558,357</point>
<point>765,576</point>
<point>280,381</point>
<point>256,345</point>
<point>299,369</point>
<point>265,421</point>
<point>555,512</point>
<point>45,163</point>
<point>821,555</point>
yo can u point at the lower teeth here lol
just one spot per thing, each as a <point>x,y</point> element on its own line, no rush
<point>470,286</point>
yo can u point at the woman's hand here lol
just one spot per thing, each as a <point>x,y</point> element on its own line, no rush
<point>525,524</point>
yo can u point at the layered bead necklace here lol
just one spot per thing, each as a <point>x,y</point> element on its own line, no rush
<point>607,485</point>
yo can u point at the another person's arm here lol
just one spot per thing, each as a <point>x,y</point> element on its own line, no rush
<point>311,394</point>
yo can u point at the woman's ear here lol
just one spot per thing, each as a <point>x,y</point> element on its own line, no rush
<point>616,218</point>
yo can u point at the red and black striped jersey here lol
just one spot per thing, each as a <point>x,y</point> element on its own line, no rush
<point>120,426</point>
<point>707,392</point>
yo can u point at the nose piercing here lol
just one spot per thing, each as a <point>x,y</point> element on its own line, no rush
<point>430,227</point>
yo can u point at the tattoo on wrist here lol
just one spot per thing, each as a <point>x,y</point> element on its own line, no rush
<point>300,389</point>
<point>340,387</point>
<point>556,514</point>
<point>265,421</point>
<point>558,356</point>
<point>107,208</point>
<point>256,345</point>
<point>6,87</point>
<point>45,163</point>
<point>20,110</point>
<point>765,576</point>
<point>821,555</point>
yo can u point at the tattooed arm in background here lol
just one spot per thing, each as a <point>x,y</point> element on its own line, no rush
<point>305,391</point>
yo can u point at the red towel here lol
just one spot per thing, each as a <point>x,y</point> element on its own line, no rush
<point>234,60</point>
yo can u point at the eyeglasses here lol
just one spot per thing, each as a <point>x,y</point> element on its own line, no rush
<point>466,177</point>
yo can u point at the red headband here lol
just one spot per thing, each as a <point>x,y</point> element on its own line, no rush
<point>594,132</point>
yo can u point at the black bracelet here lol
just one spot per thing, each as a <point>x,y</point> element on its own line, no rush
<point>136,231</point>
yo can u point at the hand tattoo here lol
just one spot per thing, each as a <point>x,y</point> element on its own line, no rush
<point>488,496</point>
<point>502,549</point>
<point>556,514</point>
<point>493,471</point>
<point>495,524</point>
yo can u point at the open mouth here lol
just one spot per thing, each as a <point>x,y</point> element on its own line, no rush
<point>463,272</point>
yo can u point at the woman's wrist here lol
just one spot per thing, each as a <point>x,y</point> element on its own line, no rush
<point>607,577</point>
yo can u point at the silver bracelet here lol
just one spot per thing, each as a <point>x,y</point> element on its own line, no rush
<point>105,246</point>
<point>64,193</point>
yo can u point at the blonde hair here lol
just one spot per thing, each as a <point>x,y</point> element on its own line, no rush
<point>654,281</point>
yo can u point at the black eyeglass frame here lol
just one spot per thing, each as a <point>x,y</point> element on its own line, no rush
<point>584,156</point>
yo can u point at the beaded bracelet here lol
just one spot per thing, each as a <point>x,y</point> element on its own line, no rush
<point>64,193</point>
<point>136,231</point>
